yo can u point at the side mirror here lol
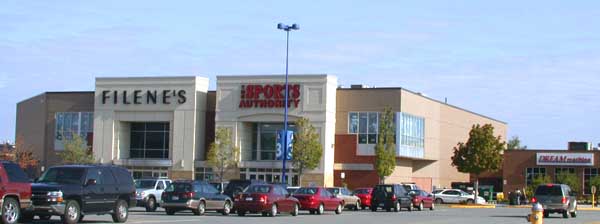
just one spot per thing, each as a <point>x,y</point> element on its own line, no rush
<point>90,182</point>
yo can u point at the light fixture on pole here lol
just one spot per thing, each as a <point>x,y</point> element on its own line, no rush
<point>287,30</point>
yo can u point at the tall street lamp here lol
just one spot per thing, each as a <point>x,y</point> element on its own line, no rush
<point>287,30</point>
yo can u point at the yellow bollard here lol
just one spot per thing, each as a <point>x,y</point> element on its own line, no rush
<point>537,214</point>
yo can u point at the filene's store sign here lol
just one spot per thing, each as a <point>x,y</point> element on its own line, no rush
<point>565,159</point>
<point>269,96</point>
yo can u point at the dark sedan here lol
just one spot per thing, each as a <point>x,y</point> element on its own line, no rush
<point>197,196</point>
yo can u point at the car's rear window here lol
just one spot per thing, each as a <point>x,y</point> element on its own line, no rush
<point>179,187</point>
<point>258,189</point>
<point>384,188</point>
<point>307,190</point>
<point>361,191</point>
<point>548,190</point>
<point>334,190</point>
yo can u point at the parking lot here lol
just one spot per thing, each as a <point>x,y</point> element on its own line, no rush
<point>441,215</point>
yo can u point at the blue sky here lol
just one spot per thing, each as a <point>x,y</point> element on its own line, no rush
<point>533,64</point>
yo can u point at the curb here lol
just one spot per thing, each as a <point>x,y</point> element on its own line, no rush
<point>472,206</point>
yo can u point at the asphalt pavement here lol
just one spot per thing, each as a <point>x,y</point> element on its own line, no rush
<point>441,215</point>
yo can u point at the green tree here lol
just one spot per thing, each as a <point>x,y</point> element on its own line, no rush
<point>223,155</point>
<point>307,150</point>
<point>385,149</point>
<point>481,153</point>
<point>535,182</point>
<point>595,181</point>
<point>569,179</point>
<point>76,151</point>
<point>514,144</point>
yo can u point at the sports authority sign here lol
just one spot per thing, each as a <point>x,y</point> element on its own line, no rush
<point>269,96</point>
<point>565,159</point>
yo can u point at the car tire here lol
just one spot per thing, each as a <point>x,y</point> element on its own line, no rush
<point>574,213</point>
<point>432,207</point>
<point>241,213</point>
<point>11,211</point>
<point>357,206</point>
<point>470,201</point>
<point>45,217</point>
<point>121,211</point>
<point>339,209</point>
<point>151,204</point>
<point>397,207</point>
<point>226,208</point>
<point>421,206</point>
<point>296,210</point>
<point>439,201</point>
<point>321,209</point>
<point>410,207</point>
<point>170,211</point>
<point>72,212</point>
<point>273,211</point>
<point>565,214</point>
<point>201,209</point>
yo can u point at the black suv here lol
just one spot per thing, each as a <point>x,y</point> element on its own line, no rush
<point>73,191</point>
<point>236,187</point>
<point>390,196</point>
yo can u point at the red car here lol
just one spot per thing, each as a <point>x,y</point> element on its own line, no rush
<point>318,200</point>
<point>15,192</point>
<point>421,200</point>
<point>268,199</point>
<point>365,196</point>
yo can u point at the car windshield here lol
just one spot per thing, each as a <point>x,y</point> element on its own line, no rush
<point>63,175</point>
<point>361,191</point>
<point>415,192</point>
<point>179,187</point>
<point>548,190</point>
<point>145,184</point>
<point>333,190</point>
<point>237,185</point>
<point>259,189</point>
<point>384,188</point>
<point>307,190</point>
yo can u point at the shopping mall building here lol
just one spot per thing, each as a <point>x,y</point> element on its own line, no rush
<point>162,126</point>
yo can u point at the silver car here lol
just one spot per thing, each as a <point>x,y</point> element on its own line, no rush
<point>455,196</point>
<point>350,200</point>
<point>556,198</point>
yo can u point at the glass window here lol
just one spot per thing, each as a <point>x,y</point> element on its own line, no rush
<point>264,142</point>
<point>15,173</point>
<point>68,124</point>
<point>588,174</point>
<point>353,122</point>
<point>363,121</point>
<point>531,173</point>
<point>93,174</point>
<point>107,177</point>
<point>558,171</point>
<point>149,140</point>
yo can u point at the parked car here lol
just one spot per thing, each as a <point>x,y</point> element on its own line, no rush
<point>236,187</point>
<point>456,196</point>
<point>421,200</point>
<point>409,186</point>
<point>390,196</point>
<point>317,200</point>
<point>198,196</point>
<point>72,191</point>
<point>267,199</point>
<point>365,196</point>
<point>15,193</point>
<point>350,200</point>
<point>148,192</point>
<point>556,198</point>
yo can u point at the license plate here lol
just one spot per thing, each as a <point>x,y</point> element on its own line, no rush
<point>249,199</point>
<point>175,198</point>
<point>381,204</point>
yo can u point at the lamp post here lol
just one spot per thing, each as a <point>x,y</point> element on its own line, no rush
<point>287,30</point>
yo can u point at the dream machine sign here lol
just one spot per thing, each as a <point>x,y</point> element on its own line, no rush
<point>568,159</point>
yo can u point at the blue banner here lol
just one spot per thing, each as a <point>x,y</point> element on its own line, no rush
<point>280,138</point>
